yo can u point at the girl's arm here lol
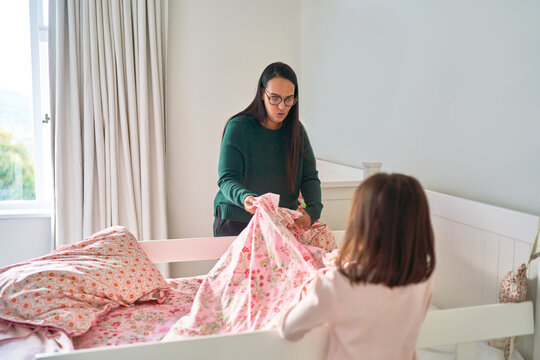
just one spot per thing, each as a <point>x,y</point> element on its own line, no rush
<point>311,311</point>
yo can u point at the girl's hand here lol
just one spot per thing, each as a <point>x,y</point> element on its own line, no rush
<point>248,204</point>
<point>305,221</point>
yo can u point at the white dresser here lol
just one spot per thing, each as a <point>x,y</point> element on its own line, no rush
<point>338,184</point>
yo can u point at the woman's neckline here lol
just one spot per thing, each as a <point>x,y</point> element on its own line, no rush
<point>268,129</point>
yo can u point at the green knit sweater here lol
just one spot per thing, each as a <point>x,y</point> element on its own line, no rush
<point>252,162</point>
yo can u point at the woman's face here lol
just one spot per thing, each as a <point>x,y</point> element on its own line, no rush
<point>277,87</point>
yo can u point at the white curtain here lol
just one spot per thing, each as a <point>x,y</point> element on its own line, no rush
<point>107,67</point>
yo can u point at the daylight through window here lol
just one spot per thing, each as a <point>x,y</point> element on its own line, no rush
<point>25,164</point>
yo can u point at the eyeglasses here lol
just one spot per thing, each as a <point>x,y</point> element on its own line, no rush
<point>274,99</point>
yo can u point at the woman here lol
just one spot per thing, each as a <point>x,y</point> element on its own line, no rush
<point>265,149</point>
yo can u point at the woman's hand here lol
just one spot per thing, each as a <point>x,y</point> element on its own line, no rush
<point>248,204</point>
<point>305,221</point>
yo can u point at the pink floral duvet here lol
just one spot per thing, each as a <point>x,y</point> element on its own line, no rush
<point>256,279</point>
<point>144,321</point>
<point>71,288</point>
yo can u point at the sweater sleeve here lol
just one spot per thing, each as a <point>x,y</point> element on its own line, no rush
<point>231,164</point>
<point>310,185</point>
<point>311,311</point>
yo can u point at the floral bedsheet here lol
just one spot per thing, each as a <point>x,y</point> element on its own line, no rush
<point>256,279</point>
<point>259,276</point>
<point>142,322</point>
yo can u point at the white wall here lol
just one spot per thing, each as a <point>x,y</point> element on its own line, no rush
<point>448,91</point>
<point>216,53</point>
<point>23,238</point>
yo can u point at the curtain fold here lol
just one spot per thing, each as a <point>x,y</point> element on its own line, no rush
<point>107,66</point>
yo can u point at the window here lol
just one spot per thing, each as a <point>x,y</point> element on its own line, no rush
<point>25,156</point>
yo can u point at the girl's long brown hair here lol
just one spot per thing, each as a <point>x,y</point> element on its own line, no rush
<point>291,124</point>
<point>389,239</point>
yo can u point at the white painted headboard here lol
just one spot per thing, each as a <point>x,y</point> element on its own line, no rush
<point>477,244</point>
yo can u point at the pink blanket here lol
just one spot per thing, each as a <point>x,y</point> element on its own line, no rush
<point>69,289</point>
<point>259,276</point>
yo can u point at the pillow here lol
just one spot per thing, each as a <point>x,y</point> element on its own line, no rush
<point>70,288</point>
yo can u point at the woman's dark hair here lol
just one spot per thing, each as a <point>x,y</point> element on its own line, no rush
<point>291,124</point>
<point>389,239</point>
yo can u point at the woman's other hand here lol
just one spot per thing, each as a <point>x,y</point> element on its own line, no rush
<point>249,204</point>
<point>305,221</point>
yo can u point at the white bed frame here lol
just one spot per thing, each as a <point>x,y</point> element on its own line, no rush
<point>476,245</point>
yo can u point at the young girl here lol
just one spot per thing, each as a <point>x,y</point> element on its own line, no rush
<point>377,296</point>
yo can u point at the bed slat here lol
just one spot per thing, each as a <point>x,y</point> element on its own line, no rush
<point>260,345</point>
<point>463,326</point>
<point>191,249</point>
<point>476,323</point>
<point>466,351</point>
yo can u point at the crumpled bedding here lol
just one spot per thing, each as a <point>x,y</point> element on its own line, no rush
<point>142,322</point>
<point>22,343</point>
<point>262,272</point>
<point>69,289</point>
<point>259,276</point>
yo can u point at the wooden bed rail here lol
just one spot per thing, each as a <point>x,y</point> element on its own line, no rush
<point>461,326</point>
<point>468,325</point>
<point>189,249</point>
<point>193,249</point>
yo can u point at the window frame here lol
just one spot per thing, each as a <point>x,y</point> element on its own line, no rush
<point>41,149</point>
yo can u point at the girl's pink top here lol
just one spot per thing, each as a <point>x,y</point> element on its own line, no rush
<point>367,321</point>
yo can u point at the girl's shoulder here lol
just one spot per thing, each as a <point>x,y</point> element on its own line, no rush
<point>331,275</point>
